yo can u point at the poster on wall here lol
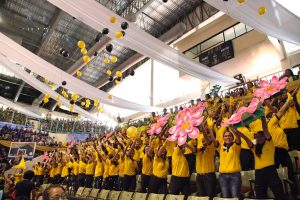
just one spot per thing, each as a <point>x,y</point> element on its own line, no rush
<point>77,137</point>
<point>27,149</point>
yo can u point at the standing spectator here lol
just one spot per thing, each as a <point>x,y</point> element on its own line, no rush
<point>25,187</point>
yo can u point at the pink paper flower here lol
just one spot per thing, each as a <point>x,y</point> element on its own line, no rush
<point>267,89</point>
<point>238,116</point>
<point>187,121</point>
<point>108,134</point>
<point>157,127</point>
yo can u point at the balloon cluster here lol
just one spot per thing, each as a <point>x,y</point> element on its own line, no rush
<point>46,98</point>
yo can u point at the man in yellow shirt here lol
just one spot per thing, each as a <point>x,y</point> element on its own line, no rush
<point>180,180</point>
<point>205,166</point>
<point>147,168</point>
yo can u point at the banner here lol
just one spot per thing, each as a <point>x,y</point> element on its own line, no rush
<point>26,149</point>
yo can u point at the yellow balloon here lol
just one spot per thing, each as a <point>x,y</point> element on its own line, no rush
<point>51,87</point>
<point>262,10</point>
<point>112,19</point>
<point>241,1</point>
<point>108,72</point>
<point>59,104</point>
<point>66,95</point>
<point>74,97</point>
<point>78,74</point>
<point>117,82</point>
<point>47,96</point>
<point>86,58</point>
<point>46,80</point>
<point>81,44</point>
<point>114,59</point>
<point>57,97</point>
<point>96,102</point>
<point>87,105</point>
<point>87,101</point>
<point>82,104</point>
<point>83,51</point>
<point>119,35</point>
<point>109,96</point>
<point>78,116</point>
<point>100,109</point>
<point>45,100</point>
<point>106,60</point>
<point>132,132</point>
<point>118,73</point>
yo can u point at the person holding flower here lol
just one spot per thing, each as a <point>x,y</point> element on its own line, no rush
<point>265,171</point>
<point>230,165</point>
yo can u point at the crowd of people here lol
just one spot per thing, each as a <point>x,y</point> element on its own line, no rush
<point>113,160</point>
<point>26,135</point>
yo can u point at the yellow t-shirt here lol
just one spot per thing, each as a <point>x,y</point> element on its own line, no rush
<point>289,119</point>
<point>99,169</point>
<point>121,167</point>
<point>256,126</point>
<point>81,167</point>
<point>170,145</point>
<point>52,172</point>
<point>155,143</point>
<point>147,165</point>
<point>205,161</point>
<point>75,168</point>
<point>113,169</point>
<point>106,168</point>
<point>180,166</point>
<point>64,171</point>
<point>90,169</point>
<point>136,155</point>
<point>160,167</point>
<point>39,171</point>
<point>129,166</point>
<point>267,157</point>
<point>58,169</point>
<point>248,133</point>
<point>230,161</point>
<point>18,178</point>
<point>192,142</point>
<point>278,135</point>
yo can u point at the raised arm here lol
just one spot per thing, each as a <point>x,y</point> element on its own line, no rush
<point>237,135</point>
<point>248,141</point>
<point>265,128</point>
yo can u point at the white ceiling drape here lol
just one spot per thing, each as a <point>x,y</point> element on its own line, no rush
<point>97,16</point>
<point>277,22</point>
<point>40,86</point>
<point>18,108</point>
<point>19,54</point>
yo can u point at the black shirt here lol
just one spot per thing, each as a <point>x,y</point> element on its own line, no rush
<point>24,188</point>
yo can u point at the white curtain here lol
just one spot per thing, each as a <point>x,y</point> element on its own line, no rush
<point>97,16</point>
<point>18,108</point>
<point>277,21</point>
<point>19,54</point>
<point>40,86</point>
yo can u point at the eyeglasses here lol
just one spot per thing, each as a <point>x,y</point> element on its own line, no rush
<point>62,196</point>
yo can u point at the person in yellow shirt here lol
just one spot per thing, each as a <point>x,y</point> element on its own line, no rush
<point>18,176</point>
<point>265,171</point>
<point>81,171</point>
<point>246,156</point>
<point>99,171</point>
<point>130,168</point>
<point>180,180</point>
<point>158,181</point>
<point>205,165</point>
<point>90,171</point>
<point>113,172</point>
<point>230,166</point>
<point>147,168</point>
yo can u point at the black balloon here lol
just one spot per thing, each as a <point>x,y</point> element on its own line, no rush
<point>61,50</point>
<point>118,78</point>
<point>123,33</point>
<point>109,47</point>
<point>64,83</point>
<point>131,73</point>
<point>72,102</point>
<point>65,54</point>
<point>111,78</point>
<point>124,25</point>
<point>165,1</point>
<point>98,37</point>
<point>105,31</point>
<point>96,53</point>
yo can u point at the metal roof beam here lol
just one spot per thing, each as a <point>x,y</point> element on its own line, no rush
<point>19,91</point>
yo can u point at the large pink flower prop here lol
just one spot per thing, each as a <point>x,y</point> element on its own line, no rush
<point>267,89</point>
<point>187,121</point>
<point>157,127</point>
<point>242,111</point>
